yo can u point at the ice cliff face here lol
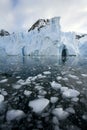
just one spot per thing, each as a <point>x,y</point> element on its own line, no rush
<point>83,45</point>
<point>43,38</point>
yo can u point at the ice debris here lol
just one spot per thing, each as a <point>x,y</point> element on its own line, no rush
<point>46,72</point>
<point>27,93</point>
<point>14,115</point>
<point>3,80</point>
<point>1,98</point>
<point>60,113</point>
<point>39,105</point>
<point>70,93</point>
<point>53,99</point>
<point>55,85</point>
<point>73,77</point>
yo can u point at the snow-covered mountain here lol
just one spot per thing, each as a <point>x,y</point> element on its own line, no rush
<point>43,38</point>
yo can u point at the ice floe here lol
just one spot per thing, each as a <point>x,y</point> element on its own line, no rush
<point>3,80</point>
<point>27,93</point>
<point>53,99</point>
<point>73,76</point>
<point>85,116</point>
<point>63,89</point>
<point>20,81</point>
<point>1,98</point>
<point>55,85</point>
<point>65,79</point>
<point>78,82</point>
<point>75,99</point>
<point>55,120</point>
<point>40,76</point>
<point>60,113</point>
<point>42,92</point>
<point>39,105</point>
<point>16,86</point>
<point>70,110</point>
<point>59,78</point>
<point>70,93</point>
<point>46,72</point>
<point>14,115</point>
<point>84,75</point>
<point>4,93</point>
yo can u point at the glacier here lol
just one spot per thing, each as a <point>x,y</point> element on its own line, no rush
<point>43,38</point>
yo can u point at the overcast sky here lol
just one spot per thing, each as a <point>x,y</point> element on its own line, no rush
<point>21,14</point>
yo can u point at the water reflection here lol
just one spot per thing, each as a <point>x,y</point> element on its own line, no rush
<point>10,64</point>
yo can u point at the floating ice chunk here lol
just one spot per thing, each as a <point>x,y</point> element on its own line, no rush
<point>79,82</point>
<point>40,76</point>
<point>18,77</point>
<point>73,76</point>
<point>4,93</point>
<point>53,99</point>
<point>3,80</point>
<point>60,113</point>
<point>14,115</point>
<point>42,92</point>
<point>1,98</point>
<point>27,92</point>
<point>59,78</point>
<point>65,79</point>
<point>84,117</point>
<point>70,110</point>
<point>39,105</point>
<point>47,72</point>
<point>28,79</point>
<point>55,120</point>
<point>63,89</point>
<point>16,86</point>
<point>56,127</point>
<point>38,87</point>
<point>55,85</point>
<point>71,93</point>
<point>21,82</point>
<point>34,78</point>
<point>75,99</point>
<point>2,109</point>
<point>84,75</point>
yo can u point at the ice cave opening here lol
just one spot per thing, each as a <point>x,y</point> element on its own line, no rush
<point>64,52</point>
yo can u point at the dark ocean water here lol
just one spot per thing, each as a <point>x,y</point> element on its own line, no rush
<point>70,72</point>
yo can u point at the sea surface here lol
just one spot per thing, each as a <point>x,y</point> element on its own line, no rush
<point>25,79</point>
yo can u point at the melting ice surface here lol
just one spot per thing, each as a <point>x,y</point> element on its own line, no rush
<point>39,93</point>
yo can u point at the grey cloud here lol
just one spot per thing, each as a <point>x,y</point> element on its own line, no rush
<point>26,12</point>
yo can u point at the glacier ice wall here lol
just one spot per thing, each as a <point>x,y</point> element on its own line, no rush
<point>83,46</point>
<point>43,42</point>
<point>43,38</point>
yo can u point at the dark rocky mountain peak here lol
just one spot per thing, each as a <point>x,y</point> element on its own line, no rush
<point>39,24</point>
<point>4,33</point>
